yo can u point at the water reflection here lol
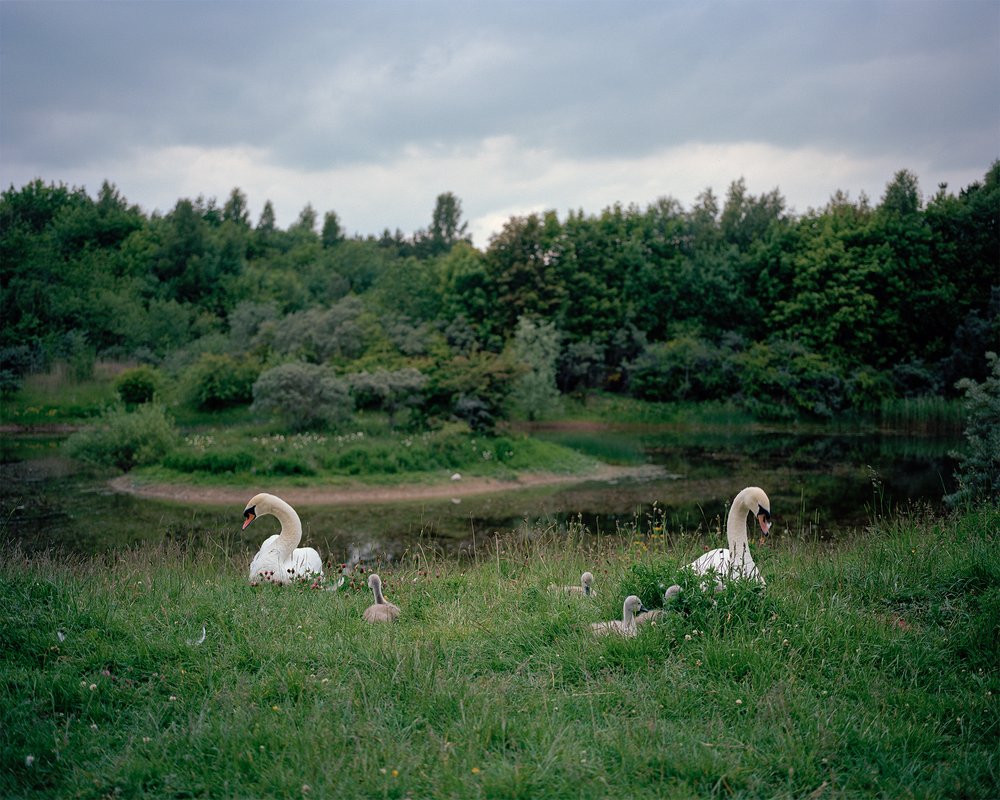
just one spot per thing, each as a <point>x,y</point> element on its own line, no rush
<point>820,483</point>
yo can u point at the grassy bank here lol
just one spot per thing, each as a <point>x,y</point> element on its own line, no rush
<point>866,670</point>
<point>240,455</point>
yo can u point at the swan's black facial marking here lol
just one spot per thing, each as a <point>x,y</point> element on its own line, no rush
<point>764,518</point>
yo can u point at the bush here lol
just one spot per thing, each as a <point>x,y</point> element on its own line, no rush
<point>390,390</point>
<point>137,386</point>
<point>14,363</point>
<point>685,368</point>
<point>783,380</point>
<point>472,388</point>
<point>125,439</point>
<point>221,381</point>
<point>979,469</point>
<point>306,396</point>
<point>535,348</point>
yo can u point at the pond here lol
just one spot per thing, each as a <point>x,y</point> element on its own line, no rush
<point>821,484</point>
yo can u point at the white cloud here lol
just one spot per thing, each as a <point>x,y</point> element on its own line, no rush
<point>496,179</point>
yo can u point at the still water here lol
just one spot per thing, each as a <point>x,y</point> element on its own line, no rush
<point>821,484</point>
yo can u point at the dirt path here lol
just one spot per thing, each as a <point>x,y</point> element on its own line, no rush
<point>361,495</point>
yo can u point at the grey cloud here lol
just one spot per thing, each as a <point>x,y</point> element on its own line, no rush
<point>318,85</point>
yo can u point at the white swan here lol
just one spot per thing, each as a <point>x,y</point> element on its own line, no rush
<point>624,626</point>
<point>279,559</point>
<point>736,561</point>
<point>380,610</point>
<point>585,587</point>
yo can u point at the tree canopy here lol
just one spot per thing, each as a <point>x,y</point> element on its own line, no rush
<point>832,309</point>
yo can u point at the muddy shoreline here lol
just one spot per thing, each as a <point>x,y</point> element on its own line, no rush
<point>363,495</point>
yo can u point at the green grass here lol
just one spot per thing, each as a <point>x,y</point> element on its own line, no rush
<point>225,456</point>
<point>869,669</point>
<point>923,414</point>
<point>57,398</point>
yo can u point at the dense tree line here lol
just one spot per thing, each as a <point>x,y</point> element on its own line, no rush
<point>818,313</point>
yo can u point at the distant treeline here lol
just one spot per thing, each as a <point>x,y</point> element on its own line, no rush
<point>830,311</point>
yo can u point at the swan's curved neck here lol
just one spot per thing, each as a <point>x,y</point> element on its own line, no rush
<point>379,599</point>
<point>291,525</point>
<point>736,530</point>
<point>736,524</point>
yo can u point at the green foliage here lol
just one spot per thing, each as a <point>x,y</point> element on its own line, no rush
<point>230,454</point>
<point>521,269</point>
<point>319,335</point>
<point>389,390</point>
<point>473,388</point>
<point>138,385</point>
<point>979,470</point>
<point>221,381</point>
<point>685,368</point>
<point>782,380</point>
<point>535,349</point>
<point>897,299</point>
<point>125,439</point>
<point>304,395</point>
<point>15,361</point>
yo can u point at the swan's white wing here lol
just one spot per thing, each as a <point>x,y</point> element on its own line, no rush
<point>264,557</point>
<point>717,561</point>
<point>306,562</point>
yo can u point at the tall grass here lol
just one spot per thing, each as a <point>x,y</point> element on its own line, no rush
<point>58,397</point>
<point>870,669</point>
<point>927,414</point>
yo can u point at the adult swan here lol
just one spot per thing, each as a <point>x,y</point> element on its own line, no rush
<point>736,561</point>
<point>279,559</point>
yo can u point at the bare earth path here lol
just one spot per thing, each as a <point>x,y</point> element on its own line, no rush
<point>360,494</point>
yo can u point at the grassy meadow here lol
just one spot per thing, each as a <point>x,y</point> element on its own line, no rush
<point>865,668</point>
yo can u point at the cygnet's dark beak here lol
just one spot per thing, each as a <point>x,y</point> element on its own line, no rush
<point>249,516</point>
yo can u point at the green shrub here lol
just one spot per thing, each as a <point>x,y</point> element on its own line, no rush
<point>979,471</point>
<point>686,368</point>
<point>389,390</point>
<point>125,439</point>
<point>221,381</point>
<point>138,385</point>
<point>15,361</point>
<point>784,380</point>
<point>305,396</point>
<point>535,349</point>
<point>474,388</point>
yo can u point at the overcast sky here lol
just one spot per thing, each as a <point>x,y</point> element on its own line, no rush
<point>373,108</point>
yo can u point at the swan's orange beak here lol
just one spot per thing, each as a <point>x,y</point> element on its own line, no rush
<point>764,518</point>
<point>249,517</point>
